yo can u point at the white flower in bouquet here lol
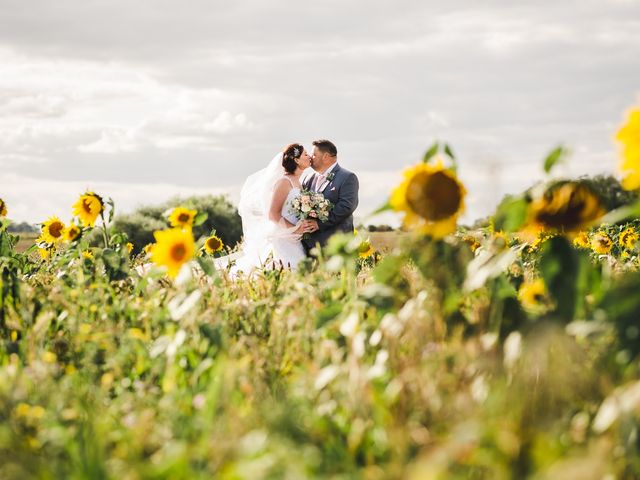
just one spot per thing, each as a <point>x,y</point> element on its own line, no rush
<point>312,205</point>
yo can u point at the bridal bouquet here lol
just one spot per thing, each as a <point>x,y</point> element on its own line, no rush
<point>310,205</point>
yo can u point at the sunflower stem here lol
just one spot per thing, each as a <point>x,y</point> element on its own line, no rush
<point>105,233</point>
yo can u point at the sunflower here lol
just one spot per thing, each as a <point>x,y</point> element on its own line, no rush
<point>565,208</point>
<point>629,136</point>
<point>431,197</point>
<point>3,208</point>
<point>87,208</point>
<point>129,246</point>
<point>52,231</point>
<point>147,248</point>
<point>533,294</point>
<point>173,248</point>
<point>628,238</point>
<point>88,254</point>
<point>472,241</point>
<point>582,240</point>
<point>182,217</point>
<point>365,250</point>
<point>213,244</point>
<point>601,243</point>
<point>71,232</point>
<point>45,253</point>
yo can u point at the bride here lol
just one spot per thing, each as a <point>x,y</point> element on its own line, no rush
<point>271,232</point>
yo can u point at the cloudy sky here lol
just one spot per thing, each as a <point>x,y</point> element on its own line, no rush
<point>148,99</point>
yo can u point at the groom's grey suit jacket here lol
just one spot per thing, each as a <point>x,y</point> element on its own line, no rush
<point>342,192</point>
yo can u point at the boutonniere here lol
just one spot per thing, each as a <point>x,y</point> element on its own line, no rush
<point>330,176</point>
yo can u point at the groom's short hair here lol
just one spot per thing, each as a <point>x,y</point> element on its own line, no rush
<point>326,146</point>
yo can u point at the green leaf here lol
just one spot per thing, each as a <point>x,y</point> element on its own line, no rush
<point>511,214</point>
<point>556,156</point>
<point>200,218</point>
<point>384,208</point>
<point>449,152</point>
<point>430,153</point>
<point>207,266</point>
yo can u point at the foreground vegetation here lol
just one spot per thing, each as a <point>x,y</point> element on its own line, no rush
<point>504,351</point>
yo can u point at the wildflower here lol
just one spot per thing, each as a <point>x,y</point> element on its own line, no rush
<point>129,246</point>
<point>87,254</point>
<point>213,244</point>
<point>582,240</point>
<point>52,231</point>
<point>628,238</point>
<point>565,208</point>
<point>71,232</point>
<point>365,249</point>
<point>181,217</point>
<point>3,208</point>
<point>147,248</point>
<point>601,243</point>
<point>88,207</point>
<point>629,136</point>
<point>533,294</point>
<point>431,197</point>
<point>172,249</point>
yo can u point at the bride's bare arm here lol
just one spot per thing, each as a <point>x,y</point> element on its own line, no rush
<point>280,192</point>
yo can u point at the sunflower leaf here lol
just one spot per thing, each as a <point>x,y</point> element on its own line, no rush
<point>449,152</point>
<point>207,266</point>
<point>384,208</point>
<point>431,152</point>
<point>556,156</point>
<point>200,218</point>
<point>511,214</point>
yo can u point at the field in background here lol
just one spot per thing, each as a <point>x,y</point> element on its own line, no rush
<point>381,241</point>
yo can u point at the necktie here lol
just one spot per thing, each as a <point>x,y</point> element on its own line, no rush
<point>319,181</point>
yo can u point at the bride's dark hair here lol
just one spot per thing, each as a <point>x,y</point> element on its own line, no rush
<point>289,156</point>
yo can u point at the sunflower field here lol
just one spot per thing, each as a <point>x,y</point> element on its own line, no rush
<point>506,351</point>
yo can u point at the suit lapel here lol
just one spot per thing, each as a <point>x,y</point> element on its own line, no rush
<point>326,183</point>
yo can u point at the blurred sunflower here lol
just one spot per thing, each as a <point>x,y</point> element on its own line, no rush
<point>472,241</point>
<point>601,243</point>
<point>129,246</point>
<point>582,240</point>
<point>365,249</point>
<point>431,197</point>
<point>182,217</point>
<point>147,248</point>
<point>565,208</point>
<point>88,254</point>
<point>533,294</point>
<point>52,231</point>
<point>213,244</point>
<point>45,253</point>
<point>628,238</point>
<point>629,136</point>
<point>3,208</point>
<point>173,248</point>
<point>87,208</point>
<point>71,232</point>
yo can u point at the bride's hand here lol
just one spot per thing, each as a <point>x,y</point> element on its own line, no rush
<point>305,226</point>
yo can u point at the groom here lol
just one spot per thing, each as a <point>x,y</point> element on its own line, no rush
<point>338,185</point>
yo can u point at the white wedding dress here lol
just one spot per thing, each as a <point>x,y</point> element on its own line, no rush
<point>265,243</point>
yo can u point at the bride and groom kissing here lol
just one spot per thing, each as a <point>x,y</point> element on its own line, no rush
<point>275,231</point>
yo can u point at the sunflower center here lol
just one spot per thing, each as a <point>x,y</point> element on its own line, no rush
<point>55,229</point>
<point>178,252</point>
<point>86,205</point>
<point>580,207</point>
<point>183,217</point>
<point>434,196</point>
<point>213,243</point>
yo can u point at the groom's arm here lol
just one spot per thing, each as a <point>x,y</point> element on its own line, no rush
<point>346,204</point>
